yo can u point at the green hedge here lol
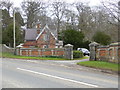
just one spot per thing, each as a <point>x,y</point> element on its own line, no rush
<point>77,54</point>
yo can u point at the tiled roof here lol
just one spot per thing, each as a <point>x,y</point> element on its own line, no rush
<point>30,34</point>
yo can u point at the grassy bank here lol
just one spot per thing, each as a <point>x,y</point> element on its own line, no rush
<point>100,65</point>
<point>9,55</point>
<point>81,58</point>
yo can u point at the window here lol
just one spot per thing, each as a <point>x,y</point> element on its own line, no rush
<point>45,38</point>
<point>45,46</point>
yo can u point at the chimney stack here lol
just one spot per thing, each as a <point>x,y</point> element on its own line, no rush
<point>38,28</point>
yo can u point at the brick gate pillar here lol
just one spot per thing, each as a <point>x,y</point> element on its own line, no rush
<point>93,47</point>
<point>68,51</point>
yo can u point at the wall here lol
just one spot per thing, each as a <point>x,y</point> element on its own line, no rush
<point>39,52</point>
<point>110,53</point>
<point>50,43</point>
<point>66,52</point>
<point>27,44</point>
<point>7,49</point>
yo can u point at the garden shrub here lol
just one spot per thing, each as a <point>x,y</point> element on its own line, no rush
<point>77,54</point>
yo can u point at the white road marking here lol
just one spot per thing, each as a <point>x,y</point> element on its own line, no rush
<point>31,61</point>
<point>74,81</point>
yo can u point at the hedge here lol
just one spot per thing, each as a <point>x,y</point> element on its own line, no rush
<point>77,54</point>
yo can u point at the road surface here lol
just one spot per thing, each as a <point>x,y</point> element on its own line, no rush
<point>18,73</point>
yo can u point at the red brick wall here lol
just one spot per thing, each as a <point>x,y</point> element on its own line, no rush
<point>47,53</point>
<point>27,44</point>
<point>34,53</point>
<point>102,52</point>
<point>41,52</point>
<point>59,53</point>
<point>24,53</point>
<point>108,53</point>
<point>41,42</point>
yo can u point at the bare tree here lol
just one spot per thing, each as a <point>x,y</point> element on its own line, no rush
<point>31,9</point>
<point>112,9</point>
<point>58,11</point>
<point>70,18</point>
<point>85,19</point>
<point>6,4</point>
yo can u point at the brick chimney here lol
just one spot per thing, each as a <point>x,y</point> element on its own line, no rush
<point>38,28</point>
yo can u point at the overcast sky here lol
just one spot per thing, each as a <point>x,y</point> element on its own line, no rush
<point>91,2</point>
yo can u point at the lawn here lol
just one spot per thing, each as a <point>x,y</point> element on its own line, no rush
<point>9,55</point>
<point>100,65</point>
<point>81,58</point>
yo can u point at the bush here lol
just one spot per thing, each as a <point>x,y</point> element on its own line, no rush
<point>76,40</point>
<point>77,54</point>
<point>102,38</point>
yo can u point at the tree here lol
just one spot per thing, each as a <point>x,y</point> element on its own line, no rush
<point>85,19</point>
<point>102,38</point>
<point>70,17</point>
<point>31,9</point>
<point>7,36</point>
<point>6,4</point>
<point>86,44</point>
<point>58,11</point>
<point>6,19</point>
<point>112,8</point>
<point>73,37</point>
<point>19,19</point>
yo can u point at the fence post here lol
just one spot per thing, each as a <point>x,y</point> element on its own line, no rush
<point>68,51</point>
<point>93,47</point>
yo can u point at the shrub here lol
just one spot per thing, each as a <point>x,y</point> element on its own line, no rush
<point>76,40</point>
<point>102,38</point>
<point>77,54</point>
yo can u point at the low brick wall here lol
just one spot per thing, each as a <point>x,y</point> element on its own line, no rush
<point>39,52</point>
<point>110,53</point>
<point>102,53</point>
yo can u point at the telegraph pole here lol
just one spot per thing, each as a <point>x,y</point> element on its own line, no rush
<point>119,21</point>
<point>14,28</point>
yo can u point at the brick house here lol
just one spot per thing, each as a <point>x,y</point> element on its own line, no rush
<point>42,38</point>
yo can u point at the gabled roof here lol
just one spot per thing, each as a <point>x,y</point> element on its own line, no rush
<point>30,34</point>
<point>46,28</point>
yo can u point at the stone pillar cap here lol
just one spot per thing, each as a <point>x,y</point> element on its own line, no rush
<point>117,43</point>
<point>93,44</point>
<point>69,45</point>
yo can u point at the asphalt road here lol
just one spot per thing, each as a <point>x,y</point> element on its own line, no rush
<point>17,73</point>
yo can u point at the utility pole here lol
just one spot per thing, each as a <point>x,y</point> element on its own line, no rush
<point>14,28</point>
<point>119,21</point>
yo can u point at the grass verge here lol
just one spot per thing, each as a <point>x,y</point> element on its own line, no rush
<point>9,55</point>
<point>81,58</point>
<point>100,65</point>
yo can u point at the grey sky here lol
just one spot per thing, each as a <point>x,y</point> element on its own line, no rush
<point>91,2</point>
